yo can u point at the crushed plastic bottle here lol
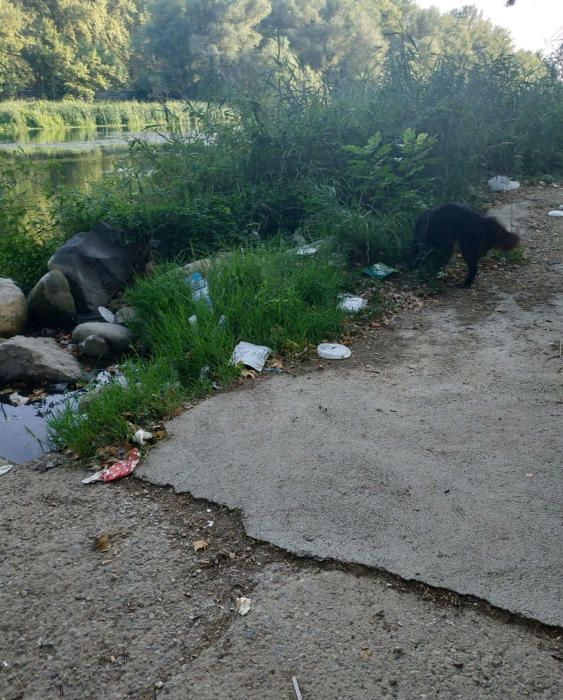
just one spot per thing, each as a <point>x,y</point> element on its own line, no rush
<point>200,290</point>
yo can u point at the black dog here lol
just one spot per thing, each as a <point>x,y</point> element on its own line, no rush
<point>438,230</point>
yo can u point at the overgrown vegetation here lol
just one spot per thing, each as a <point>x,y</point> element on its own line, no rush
<point>19,116</point>
<point>263,294</point>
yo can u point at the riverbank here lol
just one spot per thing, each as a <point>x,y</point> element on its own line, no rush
<point>18,117</point>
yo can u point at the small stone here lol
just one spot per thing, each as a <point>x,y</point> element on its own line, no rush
<point>94,346</point>
<point>116,336</point>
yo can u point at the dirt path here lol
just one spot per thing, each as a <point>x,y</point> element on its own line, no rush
<point>151,618</point>
<point>436,454</point>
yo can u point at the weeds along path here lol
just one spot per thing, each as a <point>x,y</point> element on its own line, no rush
<point>434,453</point>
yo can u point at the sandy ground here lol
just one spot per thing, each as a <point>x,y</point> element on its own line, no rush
<point>145,616</point>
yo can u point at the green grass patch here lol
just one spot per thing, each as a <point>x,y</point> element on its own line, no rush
<point>105,417</point>
<point>267,294</point>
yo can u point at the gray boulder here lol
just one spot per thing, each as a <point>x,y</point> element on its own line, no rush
<point>94,346</point>
<point>36,361</point>
<point>13,308</point>
<point>116,336</point>
<point>50,302</point>
<point>96,265</point>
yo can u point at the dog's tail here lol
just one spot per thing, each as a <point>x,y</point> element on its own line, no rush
<point>503,239</point>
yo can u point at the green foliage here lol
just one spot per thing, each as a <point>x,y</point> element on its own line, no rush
<point>18,116</point>
<point>268,295</point>
<point>104,417</point>
<point>26,243</point>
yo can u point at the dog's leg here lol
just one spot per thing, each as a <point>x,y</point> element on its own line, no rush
<point>471,257</point>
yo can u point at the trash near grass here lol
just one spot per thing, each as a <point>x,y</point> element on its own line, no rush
<point>117,470</point>
<point>555,213</point>
<point>379,271</point>
<point>250,355</point>
<point>501,183</point>
<point>333,351</point>
<point>352,304</point>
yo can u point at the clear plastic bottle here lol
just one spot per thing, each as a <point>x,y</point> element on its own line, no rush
<point>200,290</point>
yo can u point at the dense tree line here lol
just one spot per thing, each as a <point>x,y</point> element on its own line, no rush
<point>60,48</point>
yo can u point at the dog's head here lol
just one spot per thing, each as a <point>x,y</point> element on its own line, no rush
<point>502,239</point>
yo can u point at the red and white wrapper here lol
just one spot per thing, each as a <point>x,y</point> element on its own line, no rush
<point>117,470</point>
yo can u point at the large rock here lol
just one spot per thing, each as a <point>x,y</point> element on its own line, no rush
<point>116,336</point>
<point>36,361</point>
<point>13,308</point>
<point>50,302</point>
<point>96,265</point>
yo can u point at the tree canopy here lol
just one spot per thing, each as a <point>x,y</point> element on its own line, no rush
<point>58,48</point>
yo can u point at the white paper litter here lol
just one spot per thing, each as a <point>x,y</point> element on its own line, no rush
<point>5,469</point>
<point>352,304</point>
<point>17,399</point>
<point>333,351</point>
<point>555,213</point>
<point>243,605</point>
<point>254,356</point>
<point>141,436</point>
<point>306,250</point>
<point>501,183</point>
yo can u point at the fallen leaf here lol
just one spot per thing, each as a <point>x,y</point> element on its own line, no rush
<point>101,542</point>
<point>365,654</point>
<point>200,545</point>
<point>248,374</point>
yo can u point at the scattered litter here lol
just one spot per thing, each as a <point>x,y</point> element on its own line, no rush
<point>106,314</point>
<point>379,271</point>
<point>5,468</point>
<point>250,355</point>
<point>192,320</point>
<point>333,351</point>
<point>352,304</point>
<point>200,290</point>
<point>243,605</point>
<point>222,321</point>
<point>501,183</point>
<point>306,250</point>
<point>200,545</point>
<point>104,377</point>
<point>117,470</point>
<point>142,436</point>
<point>555,212</point>
<point>296,688</point>
<point>17,399</point>
<point>204,373</point>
